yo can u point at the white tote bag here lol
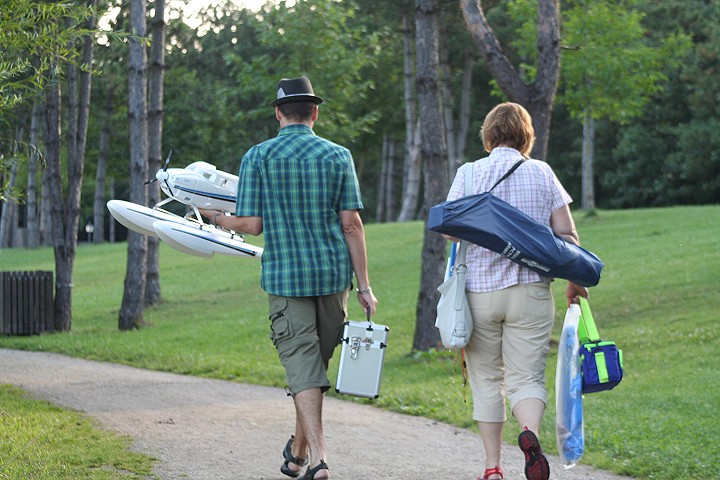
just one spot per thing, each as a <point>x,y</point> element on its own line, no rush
<point>454,320</point>
<point>453,312</point>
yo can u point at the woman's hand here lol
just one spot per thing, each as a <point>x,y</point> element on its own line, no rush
<point>574,291</point>
<point>451,239</point>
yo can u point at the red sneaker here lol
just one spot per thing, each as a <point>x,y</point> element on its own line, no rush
<point>536,465</point>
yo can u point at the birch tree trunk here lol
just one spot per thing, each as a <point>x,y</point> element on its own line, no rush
<point>111,227</point>
<point>457,120</point>
<point>8,220</point>
<point>51,140</point>
<point>463,126</point>
<point>33,235</point>
<point>539,96</point>
<point>155,117</point>
<point>99,208</point>
<point>448,107</point>
<point>412,167</point>
<point>433,154</point>
<point>64,217</point>
<point>390,181</point>
<point>9,204</point>
<point>131,310</point>
<point>66,210</point>
<point>382,182</point>
<point>45,229</point>
<point>588,160</point>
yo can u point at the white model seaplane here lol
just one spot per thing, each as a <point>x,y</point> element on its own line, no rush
<point>199,185</point>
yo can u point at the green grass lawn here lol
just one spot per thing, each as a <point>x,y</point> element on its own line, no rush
<point>42,442</point>
<point>657,299</point>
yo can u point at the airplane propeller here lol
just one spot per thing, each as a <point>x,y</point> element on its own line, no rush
<point>167,163</point>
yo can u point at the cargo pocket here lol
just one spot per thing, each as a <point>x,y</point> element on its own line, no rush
<point>538,296</point>
<point>279,323</point>
<point>539,304</point>
<point>280,329</point>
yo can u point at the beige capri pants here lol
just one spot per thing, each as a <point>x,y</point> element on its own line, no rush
<point>508,349</point>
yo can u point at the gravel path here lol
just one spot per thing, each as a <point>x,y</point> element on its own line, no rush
<point>213,429</point>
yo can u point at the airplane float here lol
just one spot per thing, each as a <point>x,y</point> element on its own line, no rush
<point>199,185</point>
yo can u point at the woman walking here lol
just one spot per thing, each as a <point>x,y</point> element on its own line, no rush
<point>512,307</point>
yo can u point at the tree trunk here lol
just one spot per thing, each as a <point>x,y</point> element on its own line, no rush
<point>8,219</point>
<point>111,227</point>
<point>66,211</point>
<point>155,117</point>
<point>457,121</point>
<point>412,165</point>
<point>465,108</point>
<point>33,234</point>
<point>9,207</point>
<point>448,106</point>
<point>434,154</point>
<point>390,181</point>
<point>588,154</point>
<point>64,254</point>
<point>99,203</point>
<point>382,182</point>
<point>131,310</point>
<point>539,96</point>
<point>45,195</point>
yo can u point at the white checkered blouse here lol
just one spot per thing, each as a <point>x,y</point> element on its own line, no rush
<point>533,188</point>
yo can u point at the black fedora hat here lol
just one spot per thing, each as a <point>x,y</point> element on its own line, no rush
<point>295,90</point>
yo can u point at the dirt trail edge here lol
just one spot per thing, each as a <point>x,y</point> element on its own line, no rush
<point>213,429</point>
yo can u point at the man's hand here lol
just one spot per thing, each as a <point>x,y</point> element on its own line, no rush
<point>209,214</point>
<point>367,299</point>
<point>242,225</point>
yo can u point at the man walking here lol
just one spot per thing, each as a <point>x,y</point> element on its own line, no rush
<point>301,192</point>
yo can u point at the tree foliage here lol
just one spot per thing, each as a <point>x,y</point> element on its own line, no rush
<point>609,68</point>
<point>669,155</point>
<point>31,39</point>
<point>657,129</point>
<point>216,102</point>
<point>318,39</point>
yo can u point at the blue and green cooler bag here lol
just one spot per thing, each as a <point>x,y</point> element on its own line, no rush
<point>601,362</point>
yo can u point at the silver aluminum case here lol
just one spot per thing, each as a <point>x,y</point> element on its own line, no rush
<point>361,359</point>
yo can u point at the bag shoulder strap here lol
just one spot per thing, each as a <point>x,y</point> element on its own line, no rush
<point>509,172</point>
<point>587,331</point>
<point>468,170</point>
<point>462,248</point>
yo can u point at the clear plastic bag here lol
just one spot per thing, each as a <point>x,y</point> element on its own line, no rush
<point>569,428</point>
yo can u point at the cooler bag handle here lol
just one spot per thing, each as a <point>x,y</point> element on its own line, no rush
<point>587,331</point>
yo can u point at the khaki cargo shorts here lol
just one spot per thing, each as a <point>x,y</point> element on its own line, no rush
<point>306,331</point>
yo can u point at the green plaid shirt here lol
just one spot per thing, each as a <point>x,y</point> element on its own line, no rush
<point>298,182</point>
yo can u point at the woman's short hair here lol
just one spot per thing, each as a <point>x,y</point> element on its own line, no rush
<point>297,111</point>
<point>509,125</point>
